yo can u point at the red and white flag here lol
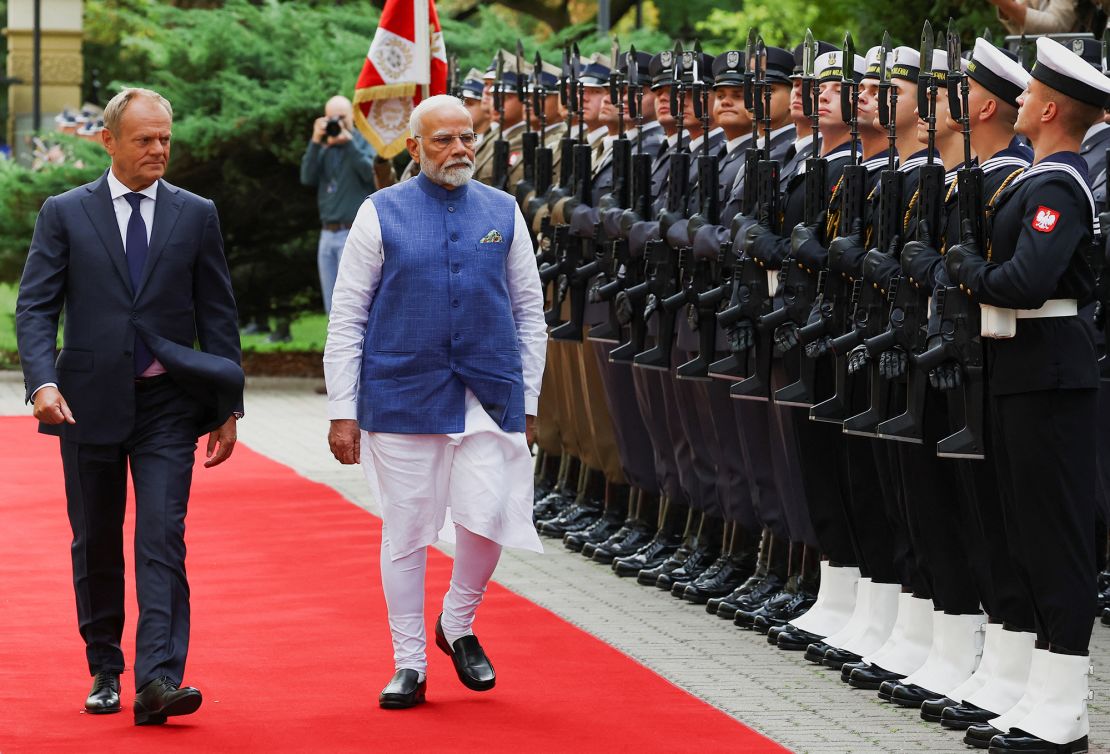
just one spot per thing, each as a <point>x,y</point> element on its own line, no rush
<point>407,62</point>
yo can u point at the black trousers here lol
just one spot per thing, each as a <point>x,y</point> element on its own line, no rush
<point>698,469</point>
<point>785,455</point>
<point>649,397</point>
<point>736,477</point>
<point>160,452</point>
<point>1045,446</point>
<point>935,513</point>
<point>633,440</point>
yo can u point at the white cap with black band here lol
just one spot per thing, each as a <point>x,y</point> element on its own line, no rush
<point>998,73</point>
<point>1061,69</point>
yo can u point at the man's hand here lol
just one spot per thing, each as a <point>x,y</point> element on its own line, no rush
<point>224,437</point>
<point>51,408</point>
<point>318,134</point>
<point>530,429</point>
<point>344,440</point>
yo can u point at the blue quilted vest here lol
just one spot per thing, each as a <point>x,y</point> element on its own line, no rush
<point>441,320</point>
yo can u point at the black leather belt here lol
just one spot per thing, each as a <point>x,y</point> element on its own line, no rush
<point>145,383</point>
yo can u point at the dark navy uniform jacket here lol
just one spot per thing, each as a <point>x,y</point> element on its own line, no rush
<point>1040,233</point>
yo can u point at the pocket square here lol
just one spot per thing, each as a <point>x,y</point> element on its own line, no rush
<point>492,237</point>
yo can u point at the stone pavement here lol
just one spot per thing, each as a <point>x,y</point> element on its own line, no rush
<point>804,708</point>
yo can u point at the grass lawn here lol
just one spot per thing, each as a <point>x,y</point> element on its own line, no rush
<point>308,331</point>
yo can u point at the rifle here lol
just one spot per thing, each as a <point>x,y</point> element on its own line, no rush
<point>799,289</point>
<point>872,303</point>
<point>529,140</point>
<point>543,156</point>
<point>734,365</point>
<point>960,339</point>
<point>454,85</point>
<point>632,289</point>
<point>662,271</point>
<point>569,250</point>
<point>909,312</point>
<point>501,146</point>
<point>753,276</point>
<point>835,291</point>
<point>612,253</point>
<point>580,247</point>
<point>704,271</point>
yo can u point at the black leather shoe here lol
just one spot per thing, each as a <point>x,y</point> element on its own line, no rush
<point>598,532</point>
<point>720,579</point>
<point>471,664</point>
<point>793,639</point>
<point>835,658</point>
<point>635,540</point>
<point>886,689</point>
<point>797,606</point>
<point>964,715</point>
<point>650,555</point>
<point>612,540</point>
<point>162,698</point>
<point>980,735</point>
<point>1106,617</point>
<point>815,652</point>
<point>404,690</point>
<point>551,505</point>
<point>932,709</point>
<point>696,564</point>
<point>871,677</point>
<point>650,576</point>
<point>104,697</point>
<point>847,668</point>
<point>768,586</point>
<point>1027,743</point>
<point>727,607</point>
<point>575,518</point>
<point>912,695</point>
<point>774,603</point>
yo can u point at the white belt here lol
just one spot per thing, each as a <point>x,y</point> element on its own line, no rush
<point>772,282</point>
<point>998,322</point>
<point>1057,307</point>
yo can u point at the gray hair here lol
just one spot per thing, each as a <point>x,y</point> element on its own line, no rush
<point>430,104</point>
<point>113,113</point>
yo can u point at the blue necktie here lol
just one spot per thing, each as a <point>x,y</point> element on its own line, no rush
<point>137,247</point>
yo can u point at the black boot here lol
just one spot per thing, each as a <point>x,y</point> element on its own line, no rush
<point>639,532</point>
<point>666,540</point>
<point>803,592</point>
<point>725,607</point>
<point>561,496</point>
<point>586,509</point>
<point>651,576</point>
<point>772,585</point>
<point>614,512</point>
<point>728,572</point>
<point>698,558</point>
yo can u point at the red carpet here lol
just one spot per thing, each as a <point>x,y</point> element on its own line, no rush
<point>290,644</point>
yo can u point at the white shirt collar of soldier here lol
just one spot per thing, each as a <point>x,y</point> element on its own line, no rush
<point>733,144</point>
<point>802,144</point>
<point>695,143</point>
<point>781,130</point>
<point>672,140</point>
<point>596,135</point>
<point>511,130</point>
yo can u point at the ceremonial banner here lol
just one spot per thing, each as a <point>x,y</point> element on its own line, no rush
<point>406,62</point>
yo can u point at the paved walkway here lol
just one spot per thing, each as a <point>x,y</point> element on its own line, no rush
<point>777,693</point>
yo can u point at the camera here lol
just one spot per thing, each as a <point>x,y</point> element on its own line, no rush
<point>334,127</point>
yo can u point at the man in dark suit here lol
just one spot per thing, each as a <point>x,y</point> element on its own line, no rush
<point>138,265</point>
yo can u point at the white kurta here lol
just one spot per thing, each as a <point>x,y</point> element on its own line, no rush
<point>483,474</point>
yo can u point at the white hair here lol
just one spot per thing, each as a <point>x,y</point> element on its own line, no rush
<point>430,104</point>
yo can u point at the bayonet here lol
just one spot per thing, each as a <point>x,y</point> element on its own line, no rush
<point>749,76</point>
<point>1106,51</point>
<point>539,93</point>
<point>521,94</point>
<point>849,94</point>
<point>453,75</point>
<point>888,102</point>
<point>927,89</point>
<point>577,88</point>
<point>616,82</point>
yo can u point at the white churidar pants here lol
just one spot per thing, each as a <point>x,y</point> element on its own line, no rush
<point>484,476</point>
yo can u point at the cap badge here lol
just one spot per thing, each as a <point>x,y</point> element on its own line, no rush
<point>666,59</point>
<point>1077,46</point>
<point>732,59</point>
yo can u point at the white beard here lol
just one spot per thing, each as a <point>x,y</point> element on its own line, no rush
<point>453,176</point>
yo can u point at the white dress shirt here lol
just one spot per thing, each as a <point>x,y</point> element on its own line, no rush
<point>360,271</point>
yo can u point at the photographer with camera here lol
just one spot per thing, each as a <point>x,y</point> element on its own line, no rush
<point>340,164</point>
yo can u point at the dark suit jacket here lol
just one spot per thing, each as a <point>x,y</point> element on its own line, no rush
<point>184,296</point>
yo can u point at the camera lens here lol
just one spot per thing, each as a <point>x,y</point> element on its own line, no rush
<point>333,128</point>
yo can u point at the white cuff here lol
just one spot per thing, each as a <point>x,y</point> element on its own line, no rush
<point>40,387</point>
<point>342,410</point>
<point>531,405</point>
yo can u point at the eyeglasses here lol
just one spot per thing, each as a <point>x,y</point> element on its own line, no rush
<point>444,141</point>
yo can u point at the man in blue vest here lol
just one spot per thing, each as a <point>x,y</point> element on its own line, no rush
<point>433,363</point>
